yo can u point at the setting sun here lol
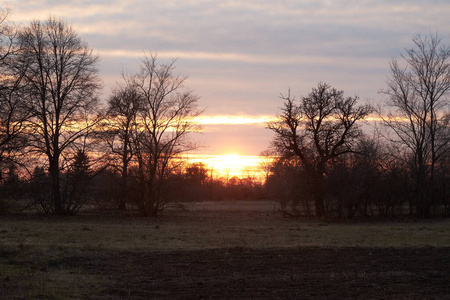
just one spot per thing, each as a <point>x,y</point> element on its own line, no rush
<point>229,165</point>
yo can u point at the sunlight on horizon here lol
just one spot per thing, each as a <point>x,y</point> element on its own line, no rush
<point>233,119</point>
<point>230,165</point>
<point>264,119</point>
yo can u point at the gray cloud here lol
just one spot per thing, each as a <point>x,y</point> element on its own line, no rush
<point>240,55</point>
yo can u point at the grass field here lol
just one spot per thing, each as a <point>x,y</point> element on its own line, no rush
<point>86,256</point>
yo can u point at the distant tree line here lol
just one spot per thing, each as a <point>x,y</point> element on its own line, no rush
<point>61,150</point>
<point>328,166</point>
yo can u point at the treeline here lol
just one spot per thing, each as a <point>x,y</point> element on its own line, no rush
<point>376,184</point>
<point>86,186</point>
<point>62,150</point>
<point>329,166</point>
<point>65,144</point>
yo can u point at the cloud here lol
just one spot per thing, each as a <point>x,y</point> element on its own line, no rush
<point>240,55</point>
<point>248,31</point>
<point>234,120</point>
<point>237,57</point>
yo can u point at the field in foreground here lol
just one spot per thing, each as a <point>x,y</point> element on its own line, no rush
<point>239,250</point>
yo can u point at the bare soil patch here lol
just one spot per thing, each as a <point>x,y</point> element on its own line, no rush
<point>243,273</point>
<point>222,252</point>
<point>311,273</point>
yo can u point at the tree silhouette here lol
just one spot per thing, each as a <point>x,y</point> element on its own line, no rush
<point>62,82</point>
<point>321,128</point>
<point>124,105</point>
<point>167,116</point>
<point>13,114</point>
<point>418,92</point>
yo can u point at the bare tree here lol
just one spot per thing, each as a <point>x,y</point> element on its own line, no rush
<point>62,81</point>
<point>123,107</point>
<point>12,111</point>
<point>418,91</point>
<point>267,159</point>
<point>7,35</point>
<point>167,117</point>
<point>322,127</point>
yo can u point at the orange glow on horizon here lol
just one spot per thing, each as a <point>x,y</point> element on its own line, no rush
<point>233,119</point>
<point>230,165</point>
<point>264,119</point>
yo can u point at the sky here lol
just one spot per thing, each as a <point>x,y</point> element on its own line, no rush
<point>241,55</point>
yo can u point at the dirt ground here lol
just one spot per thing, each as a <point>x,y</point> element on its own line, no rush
<point>277,274</point>
<point>241,273</point>
<point>36,265</point>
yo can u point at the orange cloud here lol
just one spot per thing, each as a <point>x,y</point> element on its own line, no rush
<point>234,120</point>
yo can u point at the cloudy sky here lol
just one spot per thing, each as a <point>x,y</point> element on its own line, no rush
<point>240,55</point>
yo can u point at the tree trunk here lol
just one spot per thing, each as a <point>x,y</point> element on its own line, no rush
<point>123,188</point>
<point>56,189</point>
<point>319,200</point>
<point>320,206</point>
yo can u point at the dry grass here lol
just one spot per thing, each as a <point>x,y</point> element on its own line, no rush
<point>219,226</point>
<point>34,250</point>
